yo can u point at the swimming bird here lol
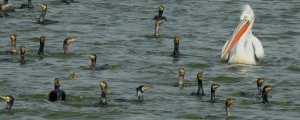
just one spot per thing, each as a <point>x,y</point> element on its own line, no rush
<point>67,42</point>
<point>176,47</point>
<point>158,23</point>
<point>9,101</point>
<point>228,103</point>
<point>7,6</point>
<point>213,89</point>
<point>4,9</point>
<point>200,91</point>
<point>140,90</point>
<point>57,94</point>
<point>259,83</point>
<point>13,42</point>
<point>243,47</point>
<point>161,9</point>
<point>265,92</point>
<point>42,43</point>
<point>181,73</point>
<point>28,5</point>
<point>22,54</point>
<point>103,100</point>
<point>42,19</point>
<point>93,67</point>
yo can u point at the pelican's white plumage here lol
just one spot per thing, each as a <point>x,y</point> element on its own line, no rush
<point>243,47</point>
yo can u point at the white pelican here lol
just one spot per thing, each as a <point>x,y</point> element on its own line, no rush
<point>243,47</point>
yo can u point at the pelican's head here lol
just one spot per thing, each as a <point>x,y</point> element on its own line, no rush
<point>247,13</point>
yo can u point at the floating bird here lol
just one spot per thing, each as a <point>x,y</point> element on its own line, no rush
<point>4,9</point>
<point>200,91</point>
<point>42,43</point>
<point>157,27</point>
<point>259,83</point>
<point>22,54</point>
<point>265,92</point>
<point>28,5</point>
<point>7,6</point>
<point>73,76</point>
<point>228,103</point>
<point>243,47</point>
<point>93,67</point>
<point>42,19</point>
<point>57,94</point>
<point>161,9</point>
<point>181,73</point>
<point>140,90</point>
<point>176,47</point>
<point>103,100</point>
<point>67,42</point>
<point>213,89</point>
<point>13,42</point>
<point>9,101</point>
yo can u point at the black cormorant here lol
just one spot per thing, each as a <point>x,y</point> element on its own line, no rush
<point>28,5</point>
<point>42,19</point>
<point>176,47</point>
<point>42,43</point>
<point>200,91</point>
<point>13,42</point>
<point>160,12</point>
<point>213,89</point>
<point>103,100</point>
<point>9,101</point>
<point>67,42</point>
<point>181,73</point>
<point>265,92</point>
<point>140,90</point>
<point>228,103</point>
<point>259,83</point>
<point>57,94</point>
<point>93,67</point>
<point>22,54</point>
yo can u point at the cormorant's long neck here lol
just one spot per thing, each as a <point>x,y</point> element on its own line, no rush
<point>13,48</point>
<point>176,49</point>
<point>56,87</point>
<point>227,111</point>
<point>66,47</point>
<point>42,16</point>
<point>30,4</point>
<point>259,90</point>
<point>41,49</point>
<point>265,97</point>
<point>200,88</point>
<point>93,65</point>
<point>180,81</point>
<point>22,57</point>
<point>212,97</point>
<point>160,13</point>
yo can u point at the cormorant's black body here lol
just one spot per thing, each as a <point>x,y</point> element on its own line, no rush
<point>57,95</point>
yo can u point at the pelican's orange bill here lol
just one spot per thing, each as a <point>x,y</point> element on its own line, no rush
<point>236,38</point>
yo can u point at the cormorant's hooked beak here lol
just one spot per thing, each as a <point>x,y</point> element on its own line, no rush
<point>93,57</point>
<point>229,102</point>
<point>238,33</point>
<point>214,87</point>
<point>43,7</point>
<point>5,98</point>
<point>268,89</point>
<point>71,40</point>
<point>145,88</point>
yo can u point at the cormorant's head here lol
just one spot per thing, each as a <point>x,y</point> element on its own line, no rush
<point>22,50</point>
<point>229,102</point>
<point>259,82</point>
<point>266,89</point>
<point>199,76</point>
<point>143,88</point>
<point>93,57</point>
<point>214,87</point>
<point>42,39</point>
<point>181,72</point>
<point>13,38</point>
<point>73,76</point>
<point>176,40</point>
<point>44,7</point>
<point>161,8</point>
<point>57,82</point>
<point>9,101</point>
<point>102,85</point>
<point>69,40</point>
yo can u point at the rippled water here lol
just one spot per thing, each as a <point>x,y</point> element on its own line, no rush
<point>120,33</point>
